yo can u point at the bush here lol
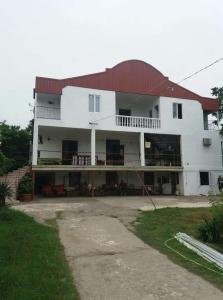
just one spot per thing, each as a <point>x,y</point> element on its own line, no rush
<point>5,191</point>
<point>25,185</point>
<point>209,230</point>
<point>218,215</point>
<point>6,164</point>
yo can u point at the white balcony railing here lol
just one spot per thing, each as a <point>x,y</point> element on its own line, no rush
<point>46,112</point>
<point>211,126</point>
<point>140,122</point>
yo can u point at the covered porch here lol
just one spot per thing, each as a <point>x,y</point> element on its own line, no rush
<point>111,181</point>
<point>91,147</point>
<point>87,147</point>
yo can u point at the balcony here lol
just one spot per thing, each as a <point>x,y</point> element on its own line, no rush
<point>137,122</point>
<point>211,126</point>
<point>46,112</point>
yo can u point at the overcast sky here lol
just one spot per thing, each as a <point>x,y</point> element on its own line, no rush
<point>64,38</point>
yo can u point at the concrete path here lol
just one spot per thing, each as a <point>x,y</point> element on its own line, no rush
<point>110,262</point>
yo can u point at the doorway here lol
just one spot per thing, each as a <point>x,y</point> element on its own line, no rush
<point>69,149</point>
<point>75,179</point>
<point>43,179</point>
<point>111,178</point>
<point>114,155</point>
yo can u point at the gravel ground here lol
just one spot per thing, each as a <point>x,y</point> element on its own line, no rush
<point>107,260</point>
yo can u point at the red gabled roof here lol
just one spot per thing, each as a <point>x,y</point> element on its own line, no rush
<point>132,76</point>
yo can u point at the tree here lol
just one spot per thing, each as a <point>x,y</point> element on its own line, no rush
<point>218,93</point>
<point>15,143</point>
<point>6,164</point>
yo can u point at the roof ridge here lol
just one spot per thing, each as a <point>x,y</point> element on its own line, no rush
<point>132,76</point>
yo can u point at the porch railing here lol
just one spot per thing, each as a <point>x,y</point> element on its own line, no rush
<point>47,157</point>
<point>140,122</point>
<point>211,126</point>
<point>47,112</point>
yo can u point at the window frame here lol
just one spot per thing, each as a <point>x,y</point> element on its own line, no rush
<point>94,103</point>
<point>204,181</point>
<point>177,110</point>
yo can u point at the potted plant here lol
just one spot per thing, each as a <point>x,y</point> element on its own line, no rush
<point>5,192</point>
<point>25,188</point>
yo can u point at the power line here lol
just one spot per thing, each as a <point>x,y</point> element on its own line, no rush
<point>205,68</point>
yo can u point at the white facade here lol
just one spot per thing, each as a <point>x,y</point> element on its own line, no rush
<point>67,117</point>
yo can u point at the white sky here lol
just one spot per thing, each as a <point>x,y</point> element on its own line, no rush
<point>64,38</point>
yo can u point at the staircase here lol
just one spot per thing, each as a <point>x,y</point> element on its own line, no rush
<point>13,178</point>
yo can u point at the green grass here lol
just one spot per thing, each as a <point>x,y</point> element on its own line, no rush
<point>32,260</point>
<point>155,227</point>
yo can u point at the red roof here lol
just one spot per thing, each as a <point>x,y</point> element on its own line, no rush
<point>132,76</point>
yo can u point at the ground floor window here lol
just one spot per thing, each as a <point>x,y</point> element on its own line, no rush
<point>204,178</point>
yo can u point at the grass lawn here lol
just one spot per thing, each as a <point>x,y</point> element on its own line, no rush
<point>32,261</point>
<point>155,227</point>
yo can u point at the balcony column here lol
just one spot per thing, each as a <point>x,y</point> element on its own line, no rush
<point>35,144</point>
<point>93,146</point>
<point>142,149</point>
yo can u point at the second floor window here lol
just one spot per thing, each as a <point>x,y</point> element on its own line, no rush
<point>177,111</point>
<point>94,103</point>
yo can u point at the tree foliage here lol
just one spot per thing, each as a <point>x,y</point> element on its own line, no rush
<point>15,144</point>
<point>218,93</point>
<point>6,164</point>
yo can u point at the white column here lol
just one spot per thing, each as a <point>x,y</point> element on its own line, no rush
<point>35,143</point>
<point>93,146</point>
<point>142,149</point>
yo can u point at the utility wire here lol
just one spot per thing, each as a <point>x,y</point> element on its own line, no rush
<point>205,68</point>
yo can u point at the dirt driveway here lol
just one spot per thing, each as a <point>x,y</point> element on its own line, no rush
<point>110,262</point>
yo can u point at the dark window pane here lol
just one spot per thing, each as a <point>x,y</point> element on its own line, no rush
<point>180,111</point>
<point>204,178</point>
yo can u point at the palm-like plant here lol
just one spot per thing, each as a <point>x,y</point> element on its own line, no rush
<point>5,191</point>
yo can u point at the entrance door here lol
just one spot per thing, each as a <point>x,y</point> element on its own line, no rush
<point>149,178</point>
<point>74,179</point>
<point>111,178</point>
<point>112,152</point>
<point>69,149</point>
<point>174,182</point>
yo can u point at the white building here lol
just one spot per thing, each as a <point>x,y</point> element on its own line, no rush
<point>129,124</point>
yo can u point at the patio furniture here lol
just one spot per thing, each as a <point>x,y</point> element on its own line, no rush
<point>47,190</point>
<point>59,190</point>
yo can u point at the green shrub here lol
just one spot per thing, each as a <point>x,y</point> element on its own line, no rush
<point>6,164</point>
<point>209,230</point>
<point>25,185</point>
<point>218,215</point>
<point>5,191</point>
